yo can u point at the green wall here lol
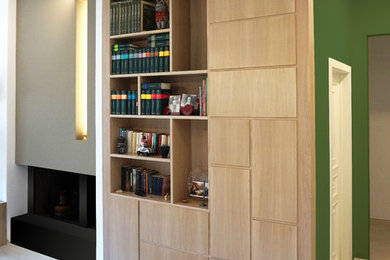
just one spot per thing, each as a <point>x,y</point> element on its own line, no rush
<point>341,28</point>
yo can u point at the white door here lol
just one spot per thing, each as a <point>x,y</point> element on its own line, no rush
<point>340,139</point>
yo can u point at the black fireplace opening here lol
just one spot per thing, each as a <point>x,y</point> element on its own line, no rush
<point>61,218</point>
<point>64,196</point>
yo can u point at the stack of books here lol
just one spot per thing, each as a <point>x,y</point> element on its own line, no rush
<point>127,59</point>
<point>132,16</point>
<point>143,181</point>
<point>124,102</point>
<point>136,139</point>
<point>154,98</point>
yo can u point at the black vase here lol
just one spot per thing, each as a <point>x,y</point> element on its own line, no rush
<point>164,150</point>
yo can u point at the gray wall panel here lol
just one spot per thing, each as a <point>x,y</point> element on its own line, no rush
<point>45,82</point>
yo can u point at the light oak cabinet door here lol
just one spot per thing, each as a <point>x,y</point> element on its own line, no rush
<point>151,252</point>
<point>229,213</point>
<point>267,41</point>
<point>222,10</point>
<point>229,141</point>
<point>274,241</point>
<point>174,227</point>
<point>253,93</point>
<point>123,228</point>
<point>274,170</point>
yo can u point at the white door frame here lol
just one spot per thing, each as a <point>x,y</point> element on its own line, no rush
<point>340,77</point>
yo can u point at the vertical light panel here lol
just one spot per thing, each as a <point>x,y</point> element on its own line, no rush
<point>81,68</point>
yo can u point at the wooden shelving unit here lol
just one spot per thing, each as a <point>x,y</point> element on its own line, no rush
<point>189,134</point>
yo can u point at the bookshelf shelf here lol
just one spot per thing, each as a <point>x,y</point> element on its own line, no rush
<point>138,35</point>
<point>141,158</point>
<point>151,198</point>
<point>192,204</point>
<point>161,117</point>
<point>161,74</point>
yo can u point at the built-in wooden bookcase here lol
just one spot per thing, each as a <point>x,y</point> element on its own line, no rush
<point>189,134</point>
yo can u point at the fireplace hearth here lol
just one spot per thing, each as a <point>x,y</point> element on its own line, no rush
<point>61,216</point>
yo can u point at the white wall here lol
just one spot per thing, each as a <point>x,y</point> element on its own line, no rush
<point>379,87</point>
<point>99,132</point>
<point>13,178</point>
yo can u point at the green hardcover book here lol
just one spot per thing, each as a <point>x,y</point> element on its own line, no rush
<point>156,86</point>
<point>160,59</point>
<point>135,61</point>
<point>148,58</point>
<point>156,59</point>
<point>123,102</point>
<point>134,100</point>
<point>132,20</point>
<point>113,57</point>
<point>140,60</point>
<point>120,17</point>
<point>153,107</point>
<point>166,59</point>
<point>118,102</point>
<point>130,10</point>
<point>131,61</point>
<point>111,19</point>
<point>158,107</point>
<point>113,102</point>
<point>162,43</point>
<point>143,102</point>
<point>151,60</point>
<point>137,15</point>
<point>148,102</point>
<point>129,102</point>
<point>125,61</point>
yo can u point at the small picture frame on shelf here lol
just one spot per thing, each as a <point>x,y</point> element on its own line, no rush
<point>174,104</point>
<point>188,104</point>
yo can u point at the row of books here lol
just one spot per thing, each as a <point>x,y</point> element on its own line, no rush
<point>124,102</point>
<point>143,181</point>
<point>154,98</point>
<point>137,139</point>
<point>132,16</point>
<point>126,59</point>
<point>158,40</point>
<point>203,93</point>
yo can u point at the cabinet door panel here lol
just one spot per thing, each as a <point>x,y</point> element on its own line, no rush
<point>253,93</point>
<point>222,10</point>
<point>229,213</point>
<point>274,241</point>
<point>151,252</point>
<point>267,41</point>
<point>174,227</point>
<point>229,141</point>
<point>274,170</point>
<point>123,228</point>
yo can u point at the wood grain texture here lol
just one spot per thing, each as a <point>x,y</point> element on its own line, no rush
<point>273,241</point>
<point>221,10</point>
<point>3,223</point>
<point>198,12</point>
<point>274,170</point>
<point>267,41</point>
<point>174,227</point>
<point>123,228</point>
<point>306,130</point>
<point>229,141</point>
<point>181,35</point>
<point>229,213</point>
<point>253,93</point>
<point>150,252</point>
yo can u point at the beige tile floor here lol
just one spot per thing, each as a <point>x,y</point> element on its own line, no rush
<point>379,239</point>
<point>13,252</point>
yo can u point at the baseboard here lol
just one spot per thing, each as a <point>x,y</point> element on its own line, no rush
<point>359,258</point>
